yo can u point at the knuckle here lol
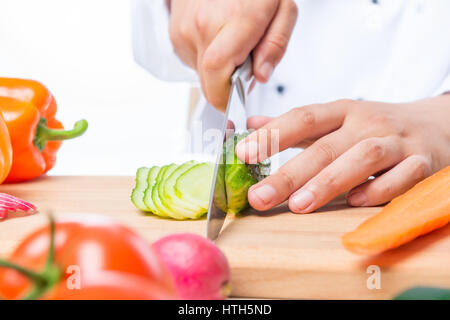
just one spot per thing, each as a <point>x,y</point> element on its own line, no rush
<point>278,42</point>
<point>380,119</point>
<point>260,18</point>
<point>201,21</point>
<point>420,167</point>
<point>327,153</point>
<point>179,34</point>
<point>383,192</point>
<point>327,182</point>
<point>348,103</point>
<point>287,180</point>
<point>373,150</point>
<point>382,124</point>
<point>184,32</point>
<point>211,61</point>
<point>306,117</point>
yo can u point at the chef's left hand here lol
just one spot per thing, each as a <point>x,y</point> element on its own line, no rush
<point>346,143</point>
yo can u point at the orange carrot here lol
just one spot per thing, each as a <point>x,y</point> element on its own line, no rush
<point>422,209</point>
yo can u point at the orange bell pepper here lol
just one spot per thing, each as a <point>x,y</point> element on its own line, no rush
<point>29,112</point>
<point>5,150</point>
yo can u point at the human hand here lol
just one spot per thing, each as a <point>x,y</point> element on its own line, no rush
<point>214,37</point>
<point>347,142</point>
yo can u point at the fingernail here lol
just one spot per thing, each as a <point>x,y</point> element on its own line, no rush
<point>265,194</point>
<point>357,199</point>
<point>247,151</point>
<point>266,70</point>
<point>302,200</point>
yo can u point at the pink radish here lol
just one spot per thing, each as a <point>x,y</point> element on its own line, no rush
<point>200,270</point>
<point>9,204</point>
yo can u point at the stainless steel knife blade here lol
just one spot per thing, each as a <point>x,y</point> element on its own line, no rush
<point>241,83</point>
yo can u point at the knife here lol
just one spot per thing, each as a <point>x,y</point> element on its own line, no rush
<point>241,83</point>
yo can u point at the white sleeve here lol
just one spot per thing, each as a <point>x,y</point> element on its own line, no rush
<point>152,47</point>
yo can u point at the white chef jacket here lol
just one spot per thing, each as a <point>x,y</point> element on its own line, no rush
<point>380,50</point>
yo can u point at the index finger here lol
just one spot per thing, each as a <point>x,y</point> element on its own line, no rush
<point>229,49</point>
<point>290,129</point>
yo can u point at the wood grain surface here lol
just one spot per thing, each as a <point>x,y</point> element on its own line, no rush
<point>275,254</point>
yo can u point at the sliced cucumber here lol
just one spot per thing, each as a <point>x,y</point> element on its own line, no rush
<point>194,186</point>
<point>158,195</point>
<point>174,211</point>
<point>172,201</point>
<point>182,192</point>
<point>137,195</point>
<point>151,194</point>
<point>151,179</point>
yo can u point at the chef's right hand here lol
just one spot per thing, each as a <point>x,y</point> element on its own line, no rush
<point>214,37</point>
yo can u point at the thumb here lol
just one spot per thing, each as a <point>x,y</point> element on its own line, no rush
<point>271,48</point>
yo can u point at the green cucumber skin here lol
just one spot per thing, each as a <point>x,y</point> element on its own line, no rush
<point>239,177</point>
<point>170,199</point>
<point>151,178</point>
<point>137,195</point>
<point>237,182</point>
<point>220,192</point>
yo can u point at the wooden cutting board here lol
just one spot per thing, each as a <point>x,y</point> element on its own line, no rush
<point>275,254</point>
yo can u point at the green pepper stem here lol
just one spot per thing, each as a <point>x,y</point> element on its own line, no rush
<point>45,134</point>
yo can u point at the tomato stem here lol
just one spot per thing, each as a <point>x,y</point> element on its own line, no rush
<point>51,248</point>
<point>35,277</point>
<point>44,280</point>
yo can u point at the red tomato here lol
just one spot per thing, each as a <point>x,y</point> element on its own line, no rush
<point>112,286</point>
<point>94,245</point>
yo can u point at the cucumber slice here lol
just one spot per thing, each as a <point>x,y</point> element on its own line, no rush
<point>147,196</point>
<point>176,209</point>
<point>172,201</point>
<point>151,195</point>
<point>137,195</point>
<point>157,194</point>
<point>194,185</point>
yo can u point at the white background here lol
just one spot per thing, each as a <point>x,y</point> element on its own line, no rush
<point>81,50</point>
